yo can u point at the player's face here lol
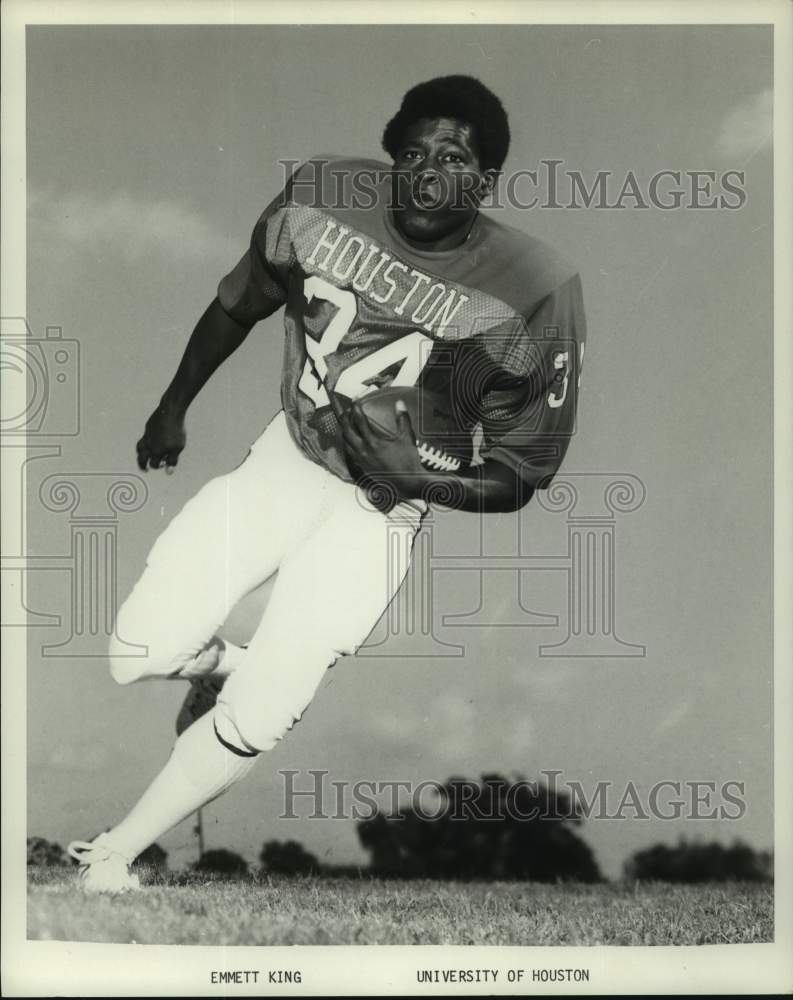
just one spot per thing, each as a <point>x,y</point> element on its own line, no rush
<point>438,181</point>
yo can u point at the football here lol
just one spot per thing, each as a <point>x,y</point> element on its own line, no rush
<point>443,445</point>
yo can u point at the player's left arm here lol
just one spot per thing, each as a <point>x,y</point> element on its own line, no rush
<point>529,413</point>
<point>528,416</point>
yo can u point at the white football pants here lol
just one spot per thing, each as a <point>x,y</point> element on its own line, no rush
<point>339,561</point>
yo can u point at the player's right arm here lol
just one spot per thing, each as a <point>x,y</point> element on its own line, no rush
<point>253,290</point>
<point>216,336</point>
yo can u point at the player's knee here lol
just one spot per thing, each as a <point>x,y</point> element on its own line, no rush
<point>345,647</point>
<point>130,662</point>
<point>228,732</point>
<point>262,727</point>
<point>125,666</point>
<point>266,736</point>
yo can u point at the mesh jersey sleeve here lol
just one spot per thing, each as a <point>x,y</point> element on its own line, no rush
<point>257,286</point>
<point>528,408</point>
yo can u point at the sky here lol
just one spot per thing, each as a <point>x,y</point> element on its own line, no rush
<point>151,152</point>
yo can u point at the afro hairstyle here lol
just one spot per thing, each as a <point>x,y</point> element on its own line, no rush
<point>461,97</point>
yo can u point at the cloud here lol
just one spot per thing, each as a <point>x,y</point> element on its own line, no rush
<point>450,726</point>
<point>547,674</point>
<point>90,757</point>
<point>673,718</point>
<point>748,127</point>
<point>454,711</point>
<point>131,226</point>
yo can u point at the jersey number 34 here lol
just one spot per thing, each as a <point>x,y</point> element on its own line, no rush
<point>413,350</point>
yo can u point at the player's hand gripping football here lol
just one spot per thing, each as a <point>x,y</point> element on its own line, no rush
<point>163,439</point>
<point>375,453</point>
<point>387,465</point>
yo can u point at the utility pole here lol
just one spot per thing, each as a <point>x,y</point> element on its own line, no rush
<point>198,830</point>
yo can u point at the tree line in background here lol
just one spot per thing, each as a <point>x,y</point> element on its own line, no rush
<point>491,842</point>
<point>699,862</point>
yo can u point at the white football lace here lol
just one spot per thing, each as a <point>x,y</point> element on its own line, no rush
<point>437,459</point>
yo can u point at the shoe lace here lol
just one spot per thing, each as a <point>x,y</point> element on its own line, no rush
<point>86,853</point>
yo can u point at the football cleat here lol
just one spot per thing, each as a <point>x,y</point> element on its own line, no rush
<point>200,699</point>
<point>102,869</point>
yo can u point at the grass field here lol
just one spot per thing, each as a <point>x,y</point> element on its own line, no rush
<point>269,910</point>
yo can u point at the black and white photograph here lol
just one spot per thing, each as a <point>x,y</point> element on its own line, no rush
<point>396,499</point>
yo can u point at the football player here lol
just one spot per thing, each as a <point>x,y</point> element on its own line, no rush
<point>389,275</point>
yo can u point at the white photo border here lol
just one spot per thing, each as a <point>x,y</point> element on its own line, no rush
<point>39,968</point>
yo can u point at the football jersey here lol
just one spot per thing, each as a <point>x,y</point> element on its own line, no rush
<point>495,325</point>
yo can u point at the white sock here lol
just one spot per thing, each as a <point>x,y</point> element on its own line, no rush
<point>199,769</point>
